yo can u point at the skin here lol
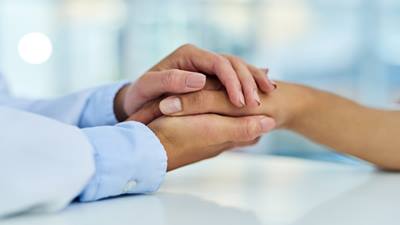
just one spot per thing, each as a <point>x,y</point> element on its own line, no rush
<point>328,119</point>
<point>193,138</point>
<point>185,71</point>
<point>190,139</point>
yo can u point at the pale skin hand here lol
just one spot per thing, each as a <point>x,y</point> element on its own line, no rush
<point>185,71</point>
<point>325,118</point>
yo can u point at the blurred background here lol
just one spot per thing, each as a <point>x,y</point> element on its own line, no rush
<point>351,47</point>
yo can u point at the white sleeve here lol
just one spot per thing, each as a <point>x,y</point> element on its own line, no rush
<point>45,164</point>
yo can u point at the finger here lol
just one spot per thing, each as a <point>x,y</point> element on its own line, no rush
<point>214,130</point>
<point>261,76</point>
<point>147,113</point>
<point>206,101</point>
<point>230,80</point>
<point>247,81</point>
<point>243,129</point>
<point>197,59</point>
<point>246,129</point>
<point>154,84</point>
<point>232,145</point>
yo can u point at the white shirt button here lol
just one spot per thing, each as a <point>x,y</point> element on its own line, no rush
<point>130,186</point>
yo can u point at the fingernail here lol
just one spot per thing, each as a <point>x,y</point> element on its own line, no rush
<point>257,97</point>
<point>274,84</point>
<point>195,81</point>
<point>241,99</point>
<point>170,105</point>
<point>267,124</point>
<point>265,70</point>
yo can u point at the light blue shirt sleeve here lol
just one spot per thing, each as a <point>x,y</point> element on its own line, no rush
<point>129,159</point>
<point>98,161</point>
<point>99,108</point>
<point>93,107</point>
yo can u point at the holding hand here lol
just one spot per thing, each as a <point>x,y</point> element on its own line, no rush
<point>326,118</point>
<point>283,105</point>
<point>185,71</point>
<point>190,139</point>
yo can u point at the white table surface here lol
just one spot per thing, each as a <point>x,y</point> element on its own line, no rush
<point>237,188</point>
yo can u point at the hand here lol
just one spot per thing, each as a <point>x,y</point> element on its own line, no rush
<point>183,71</point>
<point>239,78</point>
<point>284,105</point>
<point>190,139</point>
<point>153,85</point>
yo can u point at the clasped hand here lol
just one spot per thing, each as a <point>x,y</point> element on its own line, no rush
<point>202,133</point>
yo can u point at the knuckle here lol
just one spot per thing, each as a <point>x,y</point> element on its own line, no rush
<point>221,66</point>
<point>167,79</point>
<point>186,46</point>
<point>138,88</point>
<point>250,130</point>
<point>223,60</point>
<point>216,100</point>
<point>171,79</point>
<point>258,72</point>
<point>198,98</point>
<point>236,60</point>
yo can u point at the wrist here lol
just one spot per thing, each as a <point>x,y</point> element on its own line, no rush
<point>288,104</point>
<point>165,142</point>
<point>119,109</point>
<point>302,107</point>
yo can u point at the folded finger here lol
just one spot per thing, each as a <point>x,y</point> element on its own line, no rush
<point>156,83</point>
<point>206,101</point>
<point>197,59</point>
<point>247,81</point>
<point>261,76</point>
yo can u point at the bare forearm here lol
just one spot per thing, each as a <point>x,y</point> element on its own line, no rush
<point>372,135</point>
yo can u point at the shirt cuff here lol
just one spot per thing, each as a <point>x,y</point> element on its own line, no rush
<point>99,110</point>
<point>129,159</point>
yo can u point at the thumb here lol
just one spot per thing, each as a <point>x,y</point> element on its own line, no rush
<point>246,129</point>
<point>149,112</point>
<point>156,83</point>
<point>215,129</point>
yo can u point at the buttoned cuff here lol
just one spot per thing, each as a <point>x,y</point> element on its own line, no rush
<point>99,109</point>
<point>129,159</point>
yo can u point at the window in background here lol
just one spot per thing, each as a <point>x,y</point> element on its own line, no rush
<point>17,19</point>
<point>351,47</point>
